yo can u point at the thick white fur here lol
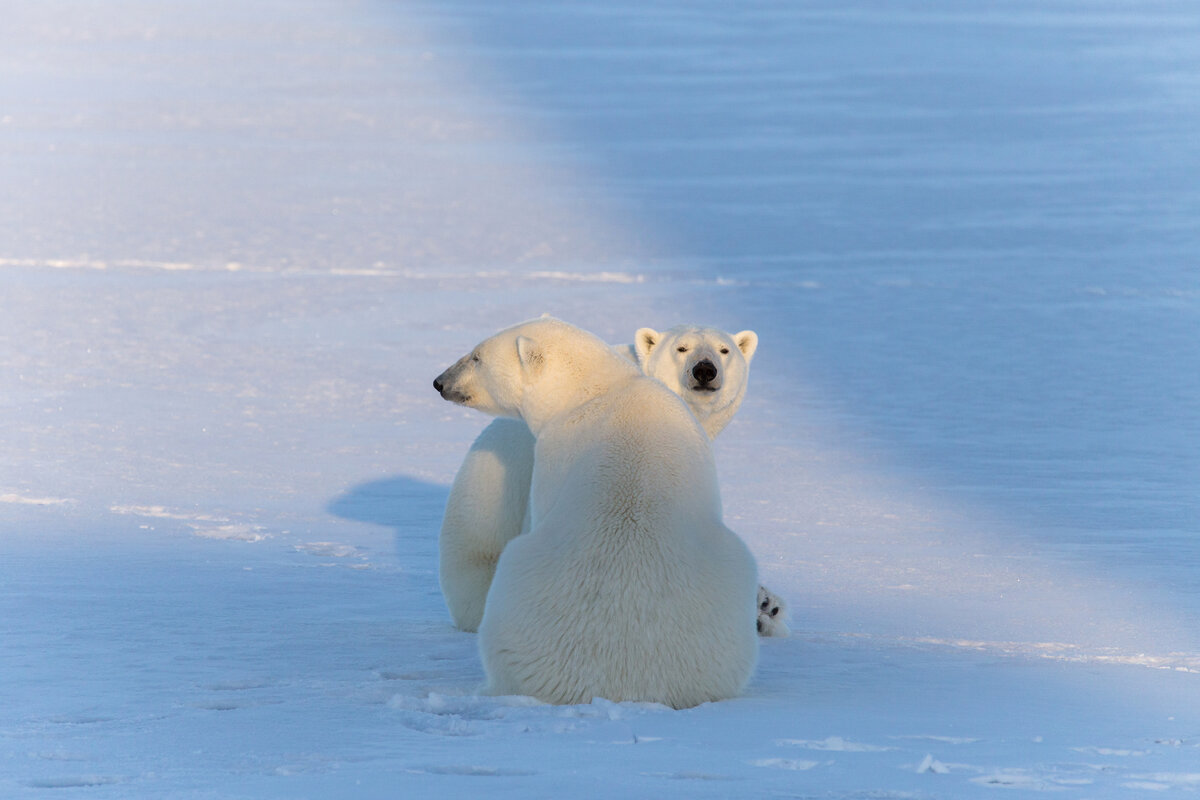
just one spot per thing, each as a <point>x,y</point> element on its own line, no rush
<point>487,503</point>
<point>628,585</point>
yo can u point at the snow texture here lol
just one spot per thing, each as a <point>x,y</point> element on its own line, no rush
<point>238,240</point>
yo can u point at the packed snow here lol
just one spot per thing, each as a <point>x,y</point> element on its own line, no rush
<point>238,241</point>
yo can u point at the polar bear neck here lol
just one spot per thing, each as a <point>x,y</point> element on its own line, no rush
<point>575,375</point>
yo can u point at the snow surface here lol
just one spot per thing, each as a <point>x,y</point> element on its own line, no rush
<point>238,240</point>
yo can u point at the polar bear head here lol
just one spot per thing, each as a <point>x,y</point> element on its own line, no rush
<point>532,371</point>
<point>707,367</point>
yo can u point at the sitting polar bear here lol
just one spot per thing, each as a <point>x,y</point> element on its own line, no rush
<point>487,505</point>
<point>628,585</point>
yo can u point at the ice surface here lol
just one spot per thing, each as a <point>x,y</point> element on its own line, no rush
<point>237,241</point>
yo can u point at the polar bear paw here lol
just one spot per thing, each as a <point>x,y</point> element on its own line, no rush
<point>771,611</point>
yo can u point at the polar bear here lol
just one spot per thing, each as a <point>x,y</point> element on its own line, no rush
<point>625,521</point>
<point>707,367</point>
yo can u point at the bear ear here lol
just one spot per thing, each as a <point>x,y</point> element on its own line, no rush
<point>644,341</point>
<point>747,342</point>
<point>529,353</point>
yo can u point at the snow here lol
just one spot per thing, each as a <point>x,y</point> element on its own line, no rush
<point>237,241</point>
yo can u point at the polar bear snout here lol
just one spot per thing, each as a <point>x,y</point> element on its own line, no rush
<point>446,385</point>
<point>441,382</point>
<point>705,372</point>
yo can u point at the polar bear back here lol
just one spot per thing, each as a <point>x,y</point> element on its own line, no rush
<point>628,586</point>
<point>624,437</point>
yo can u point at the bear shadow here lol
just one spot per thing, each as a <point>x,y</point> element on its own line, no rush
<point>410,507</point>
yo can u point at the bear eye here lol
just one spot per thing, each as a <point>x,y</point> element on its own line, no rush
<point>475,357</point>
<point>681,349</point>
<point>724,351</point>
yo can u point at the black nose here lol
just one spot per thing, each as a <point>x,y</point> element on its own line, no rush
<point>437,384</point>
<point>704,371</point>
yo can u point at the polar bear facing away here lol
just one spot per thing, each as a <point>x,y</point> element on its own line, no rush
<point>486,509</point>
<point>628,585</point>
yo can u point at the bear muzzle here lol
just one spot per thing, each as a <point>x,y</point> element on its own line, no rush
<point>444,384</point>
